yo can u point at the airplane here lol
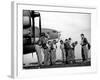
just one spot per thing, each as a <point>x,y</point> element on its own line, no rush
<point>31,33</point>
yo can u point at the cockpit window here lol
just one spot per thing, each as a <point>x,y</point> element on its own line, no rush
<point>54,31</point>
<point>48,33</point>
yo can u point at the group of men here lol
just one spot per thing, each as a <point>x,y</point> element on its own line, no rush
<point>49,50</point>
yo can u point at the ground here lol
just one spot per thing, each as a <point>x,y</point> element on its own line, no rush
<point>58,64</point>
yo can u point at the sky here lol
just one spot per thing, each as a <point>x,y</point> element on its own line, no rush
<point>69,24</point>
